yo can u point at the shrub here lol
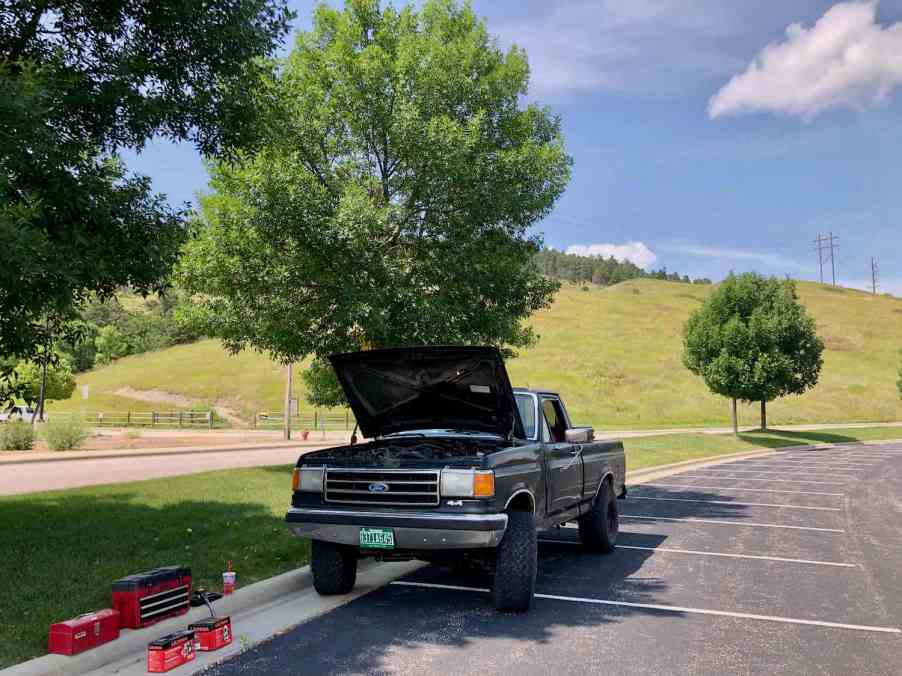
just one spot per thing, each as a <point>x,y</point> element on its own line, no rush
<point>16,435</point>
<point>65,433</point>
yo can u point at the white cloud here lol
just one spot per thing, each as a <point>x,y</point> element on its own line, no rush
<point>635,252</point>
<point>769,259</point>
<point>846,59</point>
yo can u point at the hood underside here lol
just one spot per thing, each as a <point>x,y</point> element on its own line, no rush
<point>408,389</point>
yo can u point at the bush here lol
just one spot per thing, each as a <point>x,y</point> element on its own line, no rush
<point>65,433</point>
<point>16,435</point>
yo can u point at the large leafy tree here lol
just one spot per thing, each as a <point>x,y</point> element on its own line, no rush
<point>392,200</point>
<point>752,340</point>
<point>79,80</point>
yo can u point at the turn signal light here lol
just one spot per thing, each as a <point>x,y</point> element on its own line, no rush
<point>483,484</point>
<point>295,479</point>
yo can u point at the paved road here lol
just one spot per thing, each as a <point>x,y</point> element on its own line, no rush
<point>52,475</point>
<point>783,565</point>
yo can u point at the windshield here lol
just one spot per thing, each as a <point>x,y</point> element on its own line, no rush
<point>527,408</point>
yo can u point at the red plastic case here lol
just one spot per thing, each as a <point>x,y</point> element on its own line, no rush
<point>170,651</point>
<point>212,633</point>
<point>84,632</point>
<point>145,598</point>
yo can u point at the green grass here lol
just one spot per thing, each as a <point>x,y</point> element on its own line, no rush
<point>60,551</point>
<point>667,448</point>
<point>614,353</point>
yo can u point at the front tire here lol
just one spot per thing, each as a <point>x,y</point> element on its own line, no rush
<point>516,563</point>
<point>598,528</point>
<point>334,568</point>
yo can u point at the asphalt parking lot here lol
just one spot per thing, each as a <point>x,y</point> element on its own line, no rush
<point>787,564</point>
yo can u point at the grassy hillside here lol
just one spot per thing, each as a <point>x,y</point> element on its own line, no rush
<point>613,352</point>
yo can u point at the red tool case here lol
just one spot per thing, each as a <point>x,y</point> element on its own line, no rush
<point>212,633</point>
<point>170,651</point>
<point>83,632</point>
<point>151,596</point>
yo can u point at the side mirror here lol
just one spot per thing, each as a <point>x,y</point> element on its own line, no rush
<point>579,435</point>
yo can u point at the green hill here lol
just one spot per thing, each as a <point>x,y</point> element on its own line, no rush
<point>613,352</point>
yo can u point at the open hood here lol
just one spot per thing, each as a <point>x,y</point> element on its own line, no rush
<point>417,388</point>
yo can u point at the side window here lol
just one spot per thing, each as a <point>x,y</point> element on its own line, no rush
<point>527,410</point>
<point>555,423</point>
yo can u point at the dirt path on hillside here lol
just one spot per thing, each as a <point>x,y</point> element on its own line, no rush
<point>180,400</point>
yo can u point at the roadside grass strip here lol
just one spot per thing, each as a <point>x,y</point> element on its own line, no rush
<point>738,504</point>
<point>667,609</point>
<point>726,555</point>
<point>735,488</point>
<point>696,474</point>
<point>723,522</point>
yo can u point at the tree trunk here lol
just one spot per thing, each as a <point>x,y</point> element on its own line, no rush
<point>763,416</point>
<point>43,389</point>
<point>735,419</point>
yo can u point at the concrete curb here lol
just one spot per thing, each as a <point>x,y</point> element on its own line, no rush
<point>132,642</point>
<point>70,456</point>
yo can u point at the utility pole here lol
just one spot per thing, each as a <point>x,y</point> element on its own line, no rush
<point>286,418</point>
<point>819,247</point>
<point>875,275</point>
<point>826,245</point>
<point>832,261</point>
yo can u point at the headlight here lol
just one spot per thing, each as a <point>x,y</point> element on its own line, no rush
<point>468,483</point>
<point>308,479</point>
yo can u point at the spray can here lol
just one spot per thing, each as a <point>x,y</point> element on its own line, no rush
<point>228,580</point>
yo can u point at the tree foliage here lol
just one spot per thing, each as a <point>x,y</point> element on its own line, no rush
<point>60,381</point>
<point>752,340</point>
<point>80,79</point>
<point>600,270</point>
<point>391,200</point>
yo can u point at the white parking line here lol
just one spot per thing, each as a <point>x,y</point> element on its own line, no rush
<point>736,488</point>
<point>804,461</point>
<point>739,504</point>
<point>722,522</point>
<point>671,550</point>
<point>790,466</point>
<point>667,609</point>
<point>763,471</point>
<point>768,479</point>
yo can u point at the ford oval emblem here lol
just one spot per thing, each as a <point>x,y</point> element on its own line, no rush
<point>378,487</point>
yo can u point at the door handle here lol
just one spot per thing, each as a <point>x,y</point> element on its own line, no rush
<point>576,451</point>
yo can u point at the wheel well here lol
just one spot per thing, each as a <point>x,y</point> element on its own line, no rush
<point>522,501</point>
<point>607,478</point>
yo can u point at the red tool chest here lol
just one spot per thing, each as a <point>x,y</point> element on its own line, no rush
<point>84,632</point>
<point>212,633</point>
<point>151,596</point>
<point>170,651</point>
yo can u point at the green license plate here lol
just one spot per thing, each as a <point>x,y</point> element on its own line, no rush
<point>377,538</point>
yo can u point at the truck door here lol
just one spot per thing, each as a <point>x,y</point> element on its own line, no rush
<point>563,461</point>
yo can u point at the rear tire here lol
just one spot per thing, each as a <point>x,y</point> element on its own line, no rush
<point>598,528</point>
<point>334,568</point>
<point>516,562</point>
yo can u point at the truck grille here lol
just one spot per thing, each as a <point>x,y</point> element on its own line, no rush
<point>398,487</point>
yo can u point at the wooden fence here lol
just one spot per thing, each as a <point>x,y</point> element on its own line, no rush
<point>165,419</point>
<point>312,420</point>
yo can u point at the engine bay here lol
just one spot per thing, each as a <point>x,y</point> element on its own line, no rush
<point>408,452</point>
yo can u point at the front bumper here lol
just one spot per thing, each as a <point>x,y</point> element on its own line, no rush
<point>413,530</point>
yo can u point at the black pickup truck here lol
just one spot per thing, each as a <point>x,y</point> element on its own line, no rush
<point>462,469</point>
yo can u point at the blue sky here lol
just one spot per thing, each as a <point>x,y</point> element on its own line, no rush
<point>707,135</point>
